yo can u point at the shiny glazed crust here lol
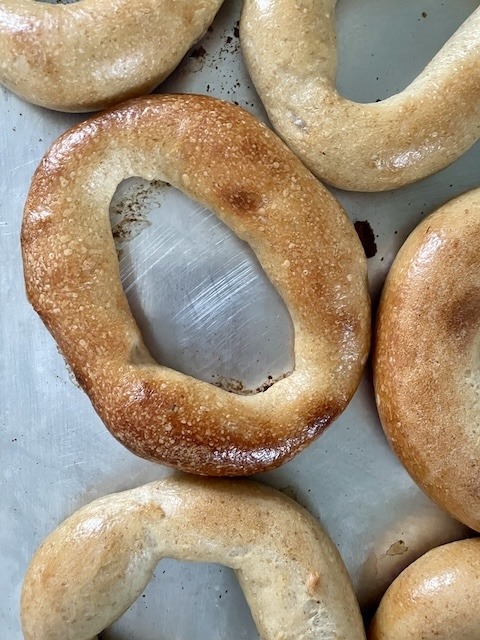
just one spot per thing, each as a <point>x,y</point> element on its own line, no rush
<point>427,357</point>
<point>290,571</point>
<point>435,598</point>
<point>95,53</point>
<point>290,50</point>
<point>223,157</point>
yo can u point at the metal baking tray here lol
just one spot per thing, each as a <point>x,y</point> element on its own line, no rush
<point>206,308</point>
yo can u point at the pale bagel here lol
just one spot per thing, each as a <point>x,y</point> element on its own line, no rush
<point>290,571</point>
<point>95,53</point>
<point>435,598</point>
<point>223,157</point>
<point>290,50</point>
<point>427,357</point>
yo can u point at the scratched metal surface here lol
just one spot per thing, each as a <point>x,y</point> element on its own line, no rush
<point>206,308</point>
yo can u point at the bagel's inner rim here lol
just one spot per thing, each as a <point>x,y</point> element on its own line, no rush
<point>370,88</point>
<point>379,82</point>
<point>224,598</point>
<point>138,204</point>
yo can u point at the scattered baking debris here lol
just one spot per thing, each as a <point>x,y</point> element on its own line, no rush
<point>233,385</point>
<point>367,237</point>
<point>130,208</point>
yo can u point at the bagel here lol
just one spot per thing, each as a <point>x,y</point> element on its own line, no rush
<point>435,598</point>
<point>223,157</point>
<point>94,53</point>
<point>426,360</point>
<point>290,51</point>
<point>290,571</point>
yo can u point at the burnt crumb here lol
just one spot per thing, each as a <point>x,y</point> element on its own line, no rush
<point>237,386</point>
<point>424,14</point>
<point>367,237</point>
<point>199,52</point>
<point>236,29</point>
<point>228,39</point>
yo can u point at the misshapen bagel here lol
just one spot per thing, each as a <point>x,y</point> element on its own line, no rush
<point>427,357</point>
<point>290,50</point>
<point>290,571</point>
<point>435,598</point>
<point>94,53</point>
<point>223,157</point>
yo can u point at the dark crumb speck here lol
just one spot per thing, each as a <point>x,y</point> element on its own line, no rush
<point>236,30</point>
<point>424,14</point>
<point>367,237</point>
<point>237,386</point>
<point>199,52</point>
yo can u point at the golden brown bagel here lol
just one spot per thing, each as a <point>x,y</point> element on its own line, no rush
<point>290,571</point>
<point>426,361</point>
<point>95,53</point>
<point>290,50</point>
<point>435,598</point>
<point>223,157</point>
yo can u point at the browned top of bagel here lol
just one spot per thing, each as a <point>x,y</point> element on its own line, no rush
<point>223,157</point>
<point>435,598</point>
<point>92,54</point>
<point>427,357</point>
<point>290,571</point>
<point>291,54</point>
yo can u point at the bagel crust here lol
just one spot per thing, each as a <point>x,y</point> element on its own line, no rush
<point>92,54</point>
<point>435,598</point>
<point>427,357</point>
<point>290,571</point>
<point>290,51</point>
<point>223,157</point>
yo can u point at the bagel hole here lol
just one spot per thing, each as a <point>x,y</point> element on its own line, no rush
<point>383,46</point>
<point>203,303</point>
<point>208,595</point>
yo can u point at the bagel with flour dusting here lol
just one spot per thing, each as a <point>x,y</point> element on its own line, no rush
<point>435,598</point>
<point>290,50</point>
<point>290,571</point>
<point>223,157</point>
<point>427,357</point>
<point>92,54</point>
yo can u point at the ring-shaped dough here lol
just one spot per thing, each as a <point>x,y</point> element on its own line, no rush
<point>222,156</point>
<point>94,53</point>
<point>290,571</point>
<point>290,50</point>
<point>435,598</point>
<point>427,357</point>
